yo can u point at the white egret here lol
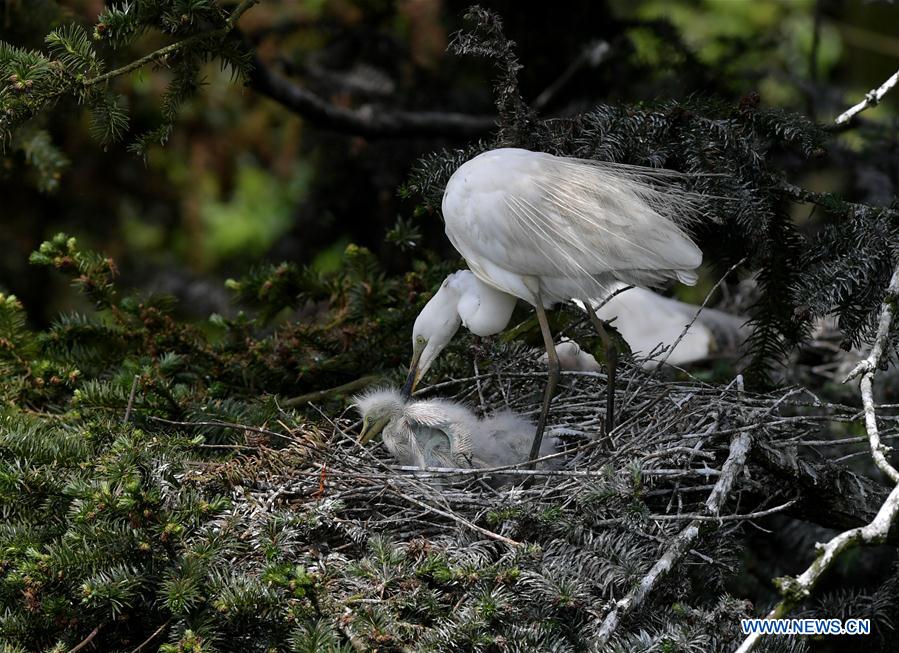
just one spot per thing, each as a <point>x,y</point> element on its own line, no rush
<point>547,229</point>
<point>646,320</point>
<point>443,433</point>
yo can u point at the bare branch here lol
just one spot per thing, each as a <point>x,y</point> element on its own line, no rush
<point>795,590</point>
<point>86,641</point>
<point>867,367</point>
<point>872,98</point>
<point>366,121</point>
<point>682,542</point>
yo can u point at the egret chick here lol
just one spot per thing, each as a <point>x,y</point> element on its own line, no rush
<point>443,433</point>
<point>546,229</point>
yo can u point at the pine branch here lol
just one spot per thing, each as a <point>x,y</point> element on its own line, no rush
<point>161,53</point>
<point>682,542</point>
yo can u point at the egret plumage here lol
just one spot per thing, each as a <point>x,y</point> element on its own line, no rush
<point>646,320</point>
<point>444,433</point>
<point>547,229</point>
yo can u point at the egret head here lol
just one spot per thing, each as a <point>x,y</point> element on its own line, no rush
<point>377,408</point>
<point>434,328</point>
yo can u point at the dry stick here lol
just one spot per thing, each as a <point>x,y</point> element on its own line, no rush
<point>872,98</point>
<point>87,640</point>
<point>131,397</point>
<point>457,518</point>
<point>795,590</point>
<point>683,333</point>
<point>682,542</point>
<point>867,367</point>
<point>153,636</point>
<point>319,395</point>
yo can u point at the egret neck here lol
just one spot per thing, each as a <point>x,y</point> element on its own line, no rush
<point>461,299</point>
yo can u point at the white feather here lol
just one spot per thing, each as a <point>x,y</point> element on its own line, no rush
<point>443,433</point>
<point>530,222</point>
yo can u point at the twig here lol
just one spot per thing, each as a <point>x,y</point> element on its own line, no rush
<point>826,201</point>
<point>175,47</point>
<point>669,350</point>
<point>722,518</point>
<point>795,590</point>
<point>230,425</point>
<point>153,636</point>
<point>87,640</point>
<point>592,54</point>
<point>365,121</point>
<point>320,395</point>
<point>131,398</point>
<point>682,542</point>
<point>457,518</point>
<point>867,367</point>
<point>872,98</point>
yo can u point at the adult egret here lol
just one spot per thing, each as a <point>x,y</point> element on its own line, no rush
<point>646,320</point>
<point>547,229</point>
<point>443,433</point>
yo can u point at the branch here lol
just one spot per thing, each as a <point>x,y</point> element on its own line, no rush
<point>456,518</point>
<point>828,200</point>
<point>682,542</point>
<point>330,393</point>
<point>86,641</point>
<point>366,121</point>
<point>872,98</point>
<point>593,54</point>
<point>795,590</point>
<point>153,636</point>
<point>161,53</point>
<point>832,495</point>
<point>867,367</point>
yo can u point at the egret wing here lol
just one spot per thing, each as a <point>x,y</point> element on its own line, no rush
<point>536,214</point>
<point>441,430</point>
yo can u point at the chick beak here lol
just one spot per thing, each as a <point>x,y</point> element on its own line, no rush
<point>371,429</point>
<point>414,376</point>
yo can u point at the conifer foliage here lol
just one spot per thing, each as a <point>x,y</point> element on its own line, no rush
<point>167,485</point>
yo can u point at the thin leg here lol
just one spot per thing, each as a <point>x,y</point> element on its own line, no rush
<point>611,366</point>
<point>552,360</point>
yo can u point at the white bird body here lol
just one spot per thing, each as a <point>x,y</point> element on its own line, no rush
<point>646,319</point>
<point>536,225</point>
<point>443,433</point>
<point>547,229</point>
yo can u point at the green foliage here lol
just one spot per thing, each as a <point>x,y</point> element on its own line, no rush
<point>259,211</point>
<point>31,82</point>
<point>47,161</point>
<point>92,360</point>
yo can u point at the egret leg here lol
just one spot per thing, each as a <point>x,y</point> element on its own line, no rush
<point>611,353</point>
<point>552,359</point>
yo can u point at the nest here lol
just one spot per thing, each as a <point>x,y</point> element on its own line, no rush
<point>622,503</point>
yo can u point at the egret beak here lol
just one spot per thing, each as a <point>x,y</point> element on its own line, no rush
<point>414,374</point>
<point>371,429</point>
